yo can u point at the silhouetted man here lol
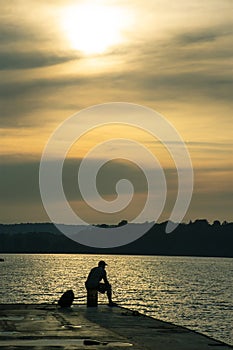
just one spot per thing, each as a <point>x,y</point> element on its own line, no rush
<point>97,274</point>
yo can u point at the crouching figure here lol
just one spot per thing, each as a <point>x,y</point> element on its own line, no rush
<point>93,285</point>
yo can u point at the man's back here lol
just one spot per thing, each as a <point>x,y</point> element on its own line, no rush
<point>93,282</point>
<point>95,276</point>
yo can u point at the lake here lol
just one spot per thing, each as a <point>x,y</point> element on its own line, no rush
<point>190,291</point>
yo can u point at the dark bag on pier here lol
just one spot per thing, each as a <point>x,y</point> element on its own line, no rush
<point>66,299</point>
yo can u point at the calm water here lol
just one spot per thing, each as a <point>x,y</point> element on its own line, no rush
<point>193,292</point>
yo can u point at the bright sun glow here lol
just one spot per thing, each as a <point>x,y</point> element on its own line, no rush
<point>93,28</point>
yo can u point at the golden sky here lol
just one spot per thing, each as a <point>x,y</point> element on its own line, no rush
<point>58,57</point>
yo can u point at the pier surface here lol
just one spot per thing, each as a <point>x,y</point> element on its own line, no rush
<point>43,326</point>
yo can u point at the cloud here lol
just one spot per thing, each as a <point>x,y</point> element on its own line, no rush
<point>11,60</point>
<point>20,32</point>
<point>19,187</point>
<point>19,181</point>
<point>13,32</point>
<point>189,85</point>
<point>24,45</point>
<point>191,67</point>
<point>205,35</point>
<point>40,96</point>
<point>21,178</point>
<point>143,81</point>
<point>211,147</point>
<point>210,206</point>
<point>76,92</point>
<point>39,85</point>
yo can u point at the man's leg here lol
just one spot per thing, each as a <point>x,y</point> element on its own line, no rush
<point>109,293</point>
<point>103,287</point>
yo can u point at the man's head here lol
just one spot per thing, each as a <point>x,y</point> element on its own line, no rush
<point>102,263</point>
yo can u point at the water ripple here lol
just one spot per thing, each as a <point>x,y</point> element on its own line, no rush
<point>193,292</point>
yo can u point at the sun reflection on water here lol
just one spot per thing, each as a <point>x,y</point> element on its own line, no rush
<point>193,292</point>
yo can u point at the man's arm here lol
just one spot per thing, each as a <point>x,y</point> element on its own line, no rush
<point>105,277</point>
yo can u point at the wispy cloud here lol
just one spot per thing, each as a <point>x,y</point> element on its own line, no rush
<point>10,60</point>
<point>19,188</point>
<point>206,35</point>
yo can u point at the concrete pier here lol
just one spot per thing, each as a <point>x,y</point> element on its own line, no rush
<point>43,326</point>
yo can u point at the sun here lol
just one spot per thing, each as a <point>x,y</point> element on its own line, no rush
<point>92,29</point>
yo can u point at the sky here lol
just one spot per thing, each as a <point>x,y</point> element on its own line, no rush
<point>59,57</point>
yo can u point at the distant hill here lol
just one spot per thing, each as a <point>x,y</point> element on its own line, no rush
<point>197,238</point>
